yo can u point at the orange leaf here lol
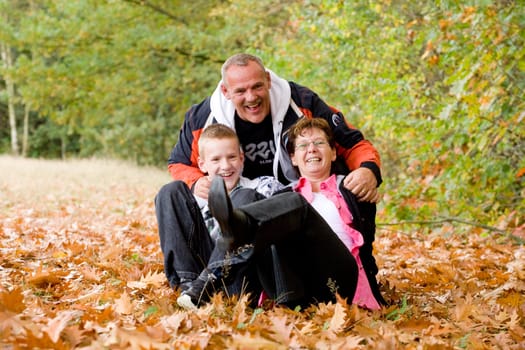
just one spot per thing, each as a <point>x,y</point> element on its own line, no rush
<point>338,320</point>
<point>47,277</point>
<point>57,324</point>
<point>138,340</point>
<point>12,301</point>
<point>281,330</point>
<point>156,279</point>
<point>123,304</point>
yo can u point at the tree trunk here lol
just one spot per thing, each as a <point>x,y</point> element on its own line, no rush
<point>63,145</point>
<point>27,110</point>
<point>10,87</point>
<point>25,136</point>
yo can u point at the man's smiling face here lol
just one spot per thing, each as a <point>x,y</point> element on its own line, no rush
<point>248,87</point>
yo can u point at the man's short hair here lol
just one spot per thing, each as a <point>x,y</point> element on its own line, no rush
<point>240,59</point>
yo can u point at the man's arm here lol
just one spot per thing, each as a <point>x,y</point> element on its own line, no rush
<point>364,162</point>
<point>360,156</point>
<point>182,163</point>
<point>356,150</point>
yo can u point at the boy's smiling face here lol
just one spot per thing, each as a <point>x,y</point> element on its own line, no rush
<point>222,157</point>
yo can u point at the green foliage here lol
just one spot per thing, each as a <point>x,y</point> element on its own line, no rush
<point>436,86</point>
<point>54,139</point>
<point>121,71</point>
<point>113,67</point>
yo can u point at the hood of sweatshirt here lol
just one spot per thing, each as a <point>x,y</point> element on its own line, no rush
<point>223,109</point>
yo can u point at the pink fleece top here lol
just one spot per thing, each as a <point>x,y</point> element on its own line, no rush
<point>354,240</point>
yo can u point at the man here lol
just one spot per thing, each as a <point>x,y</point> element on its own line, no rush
<point>188,233</point>
<point>261,107</point>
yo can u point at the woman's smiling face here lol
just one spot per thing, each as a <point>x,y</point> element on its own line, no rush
<point>313,154</point>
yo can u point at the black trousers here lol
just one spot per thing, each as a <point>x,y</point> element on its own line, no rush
<point>297,255</point>
<point>184,238</point>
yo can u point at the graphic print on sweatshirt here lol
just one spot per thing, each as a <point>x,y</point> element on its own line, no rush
<point>258,146</point>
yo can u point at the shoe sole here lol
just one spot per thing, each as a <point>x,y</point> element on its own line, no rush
<point>221,208</point>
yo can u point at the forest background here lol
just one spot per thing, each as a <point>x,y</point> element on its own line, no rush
<point>437,86</point>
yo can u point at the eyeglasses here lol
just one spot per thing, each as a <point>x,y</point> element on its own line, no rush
<point>304,146</point>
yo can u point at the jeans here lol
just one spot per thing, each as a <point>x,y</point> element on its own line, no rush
<point>184,238</point>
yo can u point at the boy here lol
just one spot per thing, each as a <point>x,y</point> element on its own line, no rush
<point>188,233</point>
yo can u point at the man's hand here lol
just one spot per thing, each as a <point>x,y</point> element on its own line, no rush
<point>202,187</point>
<point>362,182</point>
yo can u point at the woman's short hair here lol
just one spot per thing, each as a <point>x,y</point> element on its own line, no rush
<point>306,124</point>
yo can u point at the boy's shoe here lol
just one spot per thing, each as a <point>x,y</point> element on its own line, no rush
<point>196,291</point>
<point>184,301</point>
<point>235,224</point>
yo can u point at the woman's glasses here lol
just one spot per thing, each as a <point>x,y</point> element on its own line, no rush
<point>304,145</point>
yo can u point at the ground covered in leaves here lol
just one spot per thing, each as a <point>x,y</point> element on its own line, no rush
<point>80,267</point>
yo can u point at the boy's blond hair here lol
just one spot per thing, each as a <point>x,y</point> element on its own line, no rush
<point>216,132</point>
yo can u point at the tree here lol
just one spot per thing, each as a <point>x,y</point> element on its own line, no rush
<point>438,87</point>
<point>120,75</point>
<point>5,51</point>
<point>11,11</point>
